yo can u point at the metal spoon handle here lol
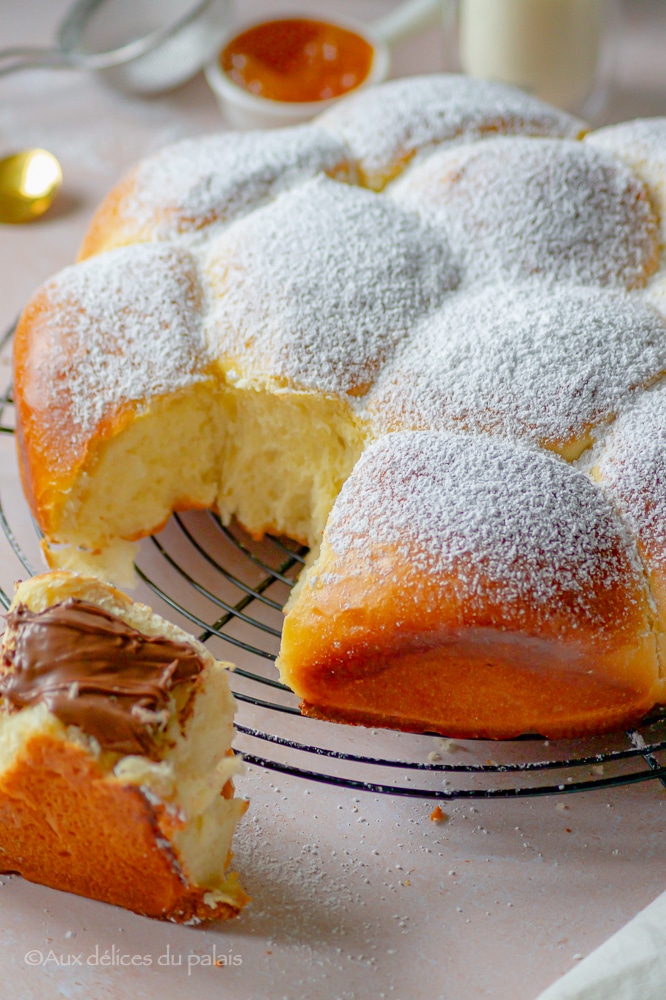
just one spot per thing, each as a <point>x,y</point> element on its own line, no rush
<point>14,59</point>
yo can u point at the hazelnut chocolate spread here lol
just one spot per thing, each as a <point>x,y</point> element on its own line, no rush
<point>94,671</point>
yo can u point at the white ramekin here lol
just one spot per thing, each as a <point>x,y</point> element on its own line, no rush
<point>243,110</point>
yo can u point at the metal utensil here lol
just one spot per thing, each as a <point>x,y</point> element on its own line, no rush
<point>144,46</point>
<point>29,181</point>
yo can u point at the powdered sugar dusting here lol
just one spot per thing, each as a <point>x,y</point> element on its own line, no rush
<point>384,126</point>
<point>632,468</point>
<point>524,361</point>
<point>508,523</point>
<point>642,145</point>
<point>219,177</point>
<point>124,327</point>
<point>318,287</point>
<point>515,207</point>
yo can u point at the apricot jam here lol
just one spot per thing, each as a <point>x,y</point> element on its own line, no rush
<point>296,59</point>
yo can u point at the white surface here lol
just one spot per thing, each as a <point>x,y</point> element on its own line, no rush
<point>353,895</point>
<point>631,964</point>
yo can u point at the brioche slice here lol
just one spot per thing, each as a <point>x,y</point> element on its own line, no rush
<point>115,754</point>
<point>470,586</point>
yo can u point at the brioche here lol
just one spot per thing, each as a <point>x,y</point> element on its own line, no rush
<point>116,765</point>
<point>277,325</point>
<point>472,586</point>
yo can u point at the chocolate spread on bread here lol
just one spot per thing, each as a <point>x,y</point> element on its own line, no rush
<point>94,671</point>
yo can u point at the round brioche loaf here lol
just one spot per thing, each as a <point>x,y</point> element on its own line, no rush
<point>438,261</point>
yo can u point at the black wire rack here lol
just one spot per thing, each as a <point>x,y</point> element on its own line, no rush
<point>230,590</point>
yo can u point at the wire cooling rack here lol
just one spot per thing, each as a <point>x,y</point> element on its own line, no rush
<point>217,582</point>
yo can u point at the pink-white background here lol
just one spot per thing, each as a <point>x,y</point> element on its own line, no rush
<point>353,895</point>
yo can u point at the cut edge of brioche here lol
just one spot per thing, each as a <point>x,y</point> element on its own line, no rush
<point>274,460</point>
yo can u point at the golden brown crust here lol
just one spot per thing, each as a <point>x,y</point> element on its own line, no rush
<point>394,650</point>
<point>110,227</point>
<point>552,704</point>
<point>51,454</point>
<point>66,824</point>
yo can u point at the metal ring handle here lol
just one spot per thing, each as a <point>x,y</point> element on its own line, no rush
<point>27,57</point>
